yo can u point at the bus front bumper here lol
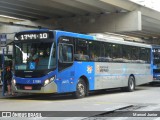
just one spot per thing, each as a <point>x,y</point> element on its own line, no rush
<point>49,88</point>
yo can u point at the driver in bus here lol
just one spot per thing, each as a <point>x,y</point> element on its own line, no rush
<point>33,57</point>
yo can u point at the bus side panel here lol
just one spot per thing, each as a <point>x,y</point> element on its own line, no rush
<point>85,69</point>
<point>109,75</point>
<point>112,75</point>
<point>67,79</point>
<point>141,72</point>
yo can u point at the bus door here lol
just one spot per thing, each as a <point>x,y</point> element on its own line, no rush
<point>65,67</point>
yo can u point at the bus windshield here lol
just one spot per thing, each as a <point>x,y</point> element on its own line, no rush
<point>156,56</point>
<point>35,56</point>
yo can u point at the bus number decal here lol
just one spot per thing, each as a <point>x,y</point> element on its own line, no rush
<point>36,81</point>
<point>43,36</point>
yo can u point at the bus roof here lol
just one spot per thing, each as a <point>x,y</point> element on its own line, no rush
<point>92,37</point>
<point>124,42</point>
<point>155,46</point>
<point>108,39</point>
<point>76,35</point>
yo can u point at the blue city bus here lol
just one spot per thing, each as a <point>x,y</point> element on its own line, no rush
<point>156,63</point>
<point>78,63</point>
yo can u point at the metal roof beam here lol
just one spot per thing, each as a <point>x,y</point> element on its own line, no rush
<point>55,5</point>
<point>79,5</point>
<point>36,9</point>
<point>17,15</point>
<point>19,12</point>
<point>99,5</point>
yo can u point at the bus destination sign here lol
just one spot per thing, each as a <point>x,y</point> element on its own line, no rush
<point>31,36</point>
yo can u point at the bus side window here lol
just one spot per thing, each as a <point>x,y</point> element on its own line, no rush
<point>65,53</point>
<point>69,54</point>
<point>60,53</point>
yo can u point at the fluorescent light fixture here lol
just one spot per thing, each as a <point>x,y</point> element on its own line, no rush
<point>4,16</point>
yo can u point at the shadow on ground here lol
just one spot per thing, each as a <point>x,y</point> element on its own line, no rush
<point>56,97</point>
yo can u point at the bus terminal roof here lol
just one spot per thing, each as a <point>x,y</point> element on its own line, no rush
<point>148,25</point>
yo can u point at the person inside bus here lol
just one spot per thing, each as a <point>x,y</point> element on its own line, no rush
<point>45,54</point>
<point>81,56</point>
<point>33,57</point>
<point>8,78</point>
<point>93,56</point>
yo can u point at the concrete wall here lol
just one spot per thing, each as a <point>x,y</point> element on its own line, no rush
<point>116,22</point>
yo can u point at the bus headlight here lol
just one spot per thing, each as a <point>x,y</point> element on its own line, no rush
<point>52,78</point>
<point>47,81</point>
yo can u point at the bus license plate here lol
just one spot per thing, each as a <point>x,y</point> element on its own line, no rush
<point>28,87</point>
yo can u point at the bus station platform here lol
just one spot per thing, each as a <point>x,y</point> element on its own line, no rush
<point>1,96</point>
<point>1,91</point>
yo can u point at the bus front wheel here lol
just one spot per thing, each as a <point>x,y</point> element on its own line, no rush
<point>81,89</point>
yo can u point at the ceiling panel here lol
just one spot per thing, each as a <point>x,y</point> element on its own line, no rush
<point>44,9</point>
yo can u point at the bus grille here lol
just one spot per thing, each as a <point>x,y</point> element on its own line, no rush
<point>34,86</point>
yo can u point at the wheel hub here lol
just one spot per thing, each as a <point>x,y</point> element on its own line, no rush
<point>81,89</point>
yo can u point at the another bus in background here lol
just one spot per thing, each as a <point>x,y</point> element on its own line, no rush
<point>156,63</point>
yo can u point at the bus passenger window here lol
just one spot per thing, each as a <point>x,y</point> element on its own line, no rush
<point>69,54</point>
<point>65,53</point>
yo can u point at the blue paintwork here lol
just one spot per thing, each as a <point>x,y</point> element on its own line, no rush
<point>30,81</point>
<point>151,64</point>
<point>68,78</point>
<point>76,35</point>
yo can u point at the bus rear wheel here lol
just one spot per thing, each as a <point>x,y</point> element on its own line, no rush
<point>81,89</point>
<point>131,84</point>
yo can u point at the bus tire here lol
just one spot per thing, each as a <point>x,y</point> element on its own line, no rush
<point>131,84</point>
<point>81,89</point>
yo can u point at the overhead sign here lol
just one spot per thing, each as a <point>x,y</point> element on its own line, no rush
<point>3,39</point>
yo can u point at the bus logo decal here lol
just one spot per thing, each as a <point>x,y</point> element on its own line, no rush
<point>32,65</point>
<point>28,81</point>
<point>89,69</point>
<point>102,69</point>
